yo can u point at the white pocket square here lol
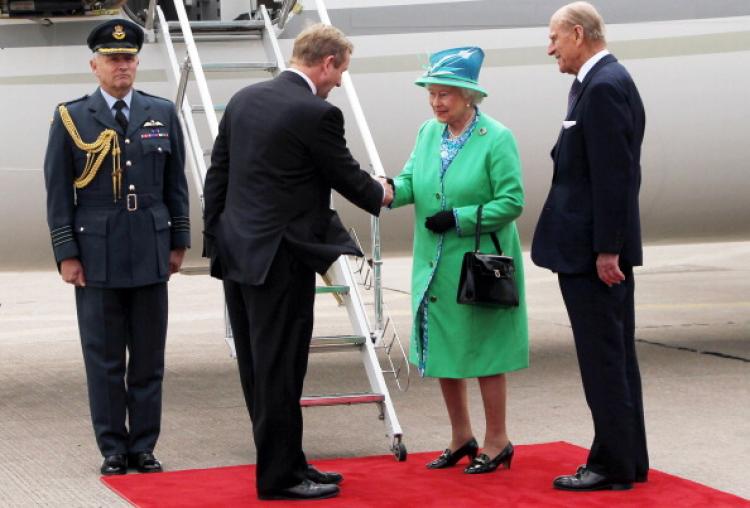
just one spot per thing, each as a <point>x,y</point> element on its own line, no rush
<point>567,124</point>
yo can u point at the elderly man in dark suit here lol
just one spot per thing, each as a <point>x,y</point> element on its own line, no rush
<point>589,234</point>
<point>269,228</point>
<point>117,208</point>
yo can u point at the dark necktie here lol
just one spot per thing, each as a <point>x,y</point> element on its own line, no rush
<point>575,89</point>
<point>120,116</point>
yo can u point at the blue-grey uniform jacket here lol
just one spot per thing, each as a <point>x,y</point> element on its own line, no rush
<point>122,243</point>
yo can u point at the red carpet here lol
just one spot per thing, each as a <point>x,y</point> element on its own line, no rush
<point>382,482</point>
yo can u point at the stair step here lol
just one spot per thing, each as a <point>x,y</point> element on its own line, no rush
<point>248,25</point>
<point>198,108</point>
<point>341,290</point>
<point>328,343</point>
<point>341,399</point>
<point>228,37</point>
<point>239,66</point>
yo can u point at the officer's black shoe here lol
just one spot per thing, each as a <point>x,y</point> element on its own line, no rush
<point>145,462</point>
<point>114,464</point>
<point>306,490</point>
<point>326,478</point>
<point>585,480</point>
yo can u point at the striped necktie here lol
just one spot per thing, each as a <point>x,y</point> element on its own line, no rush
<point>575,89</point>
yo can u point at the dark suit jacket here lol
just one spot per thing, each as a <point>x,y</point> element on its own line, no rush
<point>592,205</point>
<point>279,152</point>
<point>119,248</point>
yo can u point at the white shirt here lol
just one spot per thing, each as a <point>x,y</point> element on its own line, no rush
<point>111,102</point>
<point>590,63</point>
<point>306,78</point>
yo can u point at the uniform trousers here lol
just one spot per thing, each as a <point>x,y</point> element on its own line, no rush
<point>272,327</point>
<point>603,322</point>
<point>123,333</point>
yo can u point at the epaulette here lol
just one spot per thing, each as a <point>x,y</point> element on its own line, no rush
<point>74,100</point>
<point>152,96</point>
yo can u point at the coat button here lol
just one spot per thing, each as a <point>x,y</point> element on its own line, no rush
<point>158,149</point>
<point>437,195</point>
<point>82,229</point>
<point>127,141</point>
<point>128,163</point>
<point>432,264</point>
<point>169,223</point>
<point>433,299</point>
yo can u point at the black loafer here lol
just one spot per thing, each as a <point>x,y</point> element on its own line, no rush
<point>114,464</point>
<point>325,478</point>
<point>585,480</point>
<point>448,458</point>
<point>305,490</point>
<point>145,462</point>
<point>483,464</point>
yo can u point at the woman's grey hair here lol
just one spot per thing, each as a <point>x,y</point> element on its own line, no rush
<point>472,96</point>
<point>584,14</point>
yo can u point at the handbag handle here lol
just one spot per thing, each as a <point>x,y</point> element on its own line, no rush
<point>492,234</point>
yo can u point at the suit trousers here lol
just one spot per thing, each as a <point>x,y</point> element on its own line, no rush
<point>272,327</point>
<point>603,322</point>
<point>119,327</point>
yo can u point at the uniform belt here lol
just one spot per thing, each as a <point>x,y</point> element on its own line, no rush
<point>131,201</point>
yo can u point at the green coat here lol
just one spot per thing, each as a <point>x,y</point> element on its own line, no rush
<point>464,340</point>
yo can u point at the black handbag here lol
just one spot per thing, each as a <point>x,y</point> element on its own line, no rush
<point>487,279</point>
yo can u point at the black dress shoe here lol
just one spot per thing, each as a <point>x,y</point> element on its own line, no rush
<point>483,463</point>
<point>449,458</point>
<point>585,480</point>
<point>145,462</point>
<point>114,464</point>
<point>326,478</point>
<point>305,490</point>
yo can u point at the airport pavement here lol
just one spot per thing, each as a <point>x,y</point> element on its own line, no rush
<point>693,326</point>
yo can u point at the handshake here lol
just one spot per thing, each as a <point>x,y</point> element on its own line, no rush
<point>388,189</point>
<point>438,223</point>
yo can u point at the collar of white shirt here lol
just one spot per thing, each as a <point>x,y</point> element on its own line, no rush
<point>306,78</point>
<point>111,102</point>
<point>590,63</point>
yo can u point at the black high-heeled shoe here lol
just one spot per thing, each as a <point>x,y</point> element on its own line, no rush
<point>483,464</point>
<point>448,458</point>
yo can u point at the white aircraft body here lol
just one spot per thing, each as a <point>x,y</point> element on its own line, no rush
<point>690,60</point>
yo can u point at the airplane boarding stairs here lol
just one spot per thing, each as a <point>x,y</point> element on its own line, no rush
<point>347,280</point>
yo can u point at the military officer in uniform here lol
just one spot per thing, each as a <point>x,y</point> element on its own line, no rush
<point>117,208</point>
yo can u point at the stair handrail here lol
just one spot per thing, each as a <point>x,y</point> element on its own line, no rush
<point>284,11</point>
<point>197,68</point>
<point>179,80</point>
<point>377,167</point>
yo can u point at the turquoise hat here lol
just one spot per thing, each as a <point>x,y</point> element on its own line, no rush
<point>455,67</point>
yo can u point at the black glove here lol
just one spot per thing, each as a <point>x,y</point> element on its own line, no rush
<point>441,221</point>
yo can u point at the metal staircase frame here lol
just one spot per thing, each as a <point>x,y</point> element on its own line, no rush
<point>367,338</point>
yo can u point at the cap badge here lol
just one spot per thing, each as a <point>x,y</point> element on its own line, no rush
<point>118,33</point>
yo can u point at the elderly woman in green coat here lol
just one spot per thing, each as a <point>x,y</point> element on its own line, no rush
<point>463,159</point>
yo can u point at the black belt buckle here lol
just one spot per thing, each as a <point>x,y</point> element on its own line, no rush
<point>131,202</point>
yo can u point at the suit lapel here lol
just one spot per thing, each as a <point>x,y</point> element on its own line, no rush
<point>607,59</point>
<point>138,113</point>
<point>98,106</point>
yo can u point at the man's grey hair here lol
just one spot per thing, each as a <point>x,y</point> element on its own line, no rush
<point>585,15</point>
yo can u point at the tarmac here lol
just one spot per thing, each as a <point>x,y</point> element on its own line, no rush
<point>693,331</point>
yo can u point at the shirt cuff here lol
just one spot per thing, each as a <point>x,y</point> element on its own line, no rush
<point>458,224</point>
